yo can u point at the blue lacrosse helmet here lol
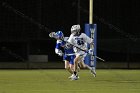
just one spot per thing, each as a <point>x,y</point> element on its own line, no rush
<point>59,35</point>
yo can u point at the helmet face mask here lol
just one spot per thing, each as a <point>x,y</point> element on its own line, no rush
<point>75,29</point>
<point>75,32</point>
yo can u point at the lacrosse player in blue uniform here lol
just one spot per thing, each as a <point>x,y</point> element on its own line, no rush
<point>67,53</point>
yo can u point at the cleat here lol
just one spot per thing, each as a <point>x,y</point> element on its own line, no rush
<point>71,76</point>
<point>75,77</point>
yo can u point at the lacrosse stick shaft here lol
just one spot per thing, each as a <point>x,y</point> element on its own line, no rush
<point>86,52</point>
<point>98,58</point>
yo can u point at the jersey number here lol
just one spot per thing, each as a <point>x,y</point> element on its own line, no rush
<point>80,41</point>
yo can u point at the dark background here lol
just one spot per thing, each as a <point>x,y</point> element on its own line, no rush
<point>117,20</point>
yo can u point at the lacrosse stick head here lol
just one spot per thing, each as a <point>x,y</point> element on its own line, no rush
<point>52,34</point>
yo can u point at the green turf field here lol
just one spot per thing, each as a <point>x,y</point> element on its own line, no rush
<point>56,81</point>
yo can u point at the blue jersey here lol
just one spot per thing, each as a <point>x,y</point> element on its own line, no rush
<point>68,48</point>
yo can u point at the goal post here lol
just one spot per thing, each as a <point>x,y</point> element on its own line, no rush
<point>91,31</point>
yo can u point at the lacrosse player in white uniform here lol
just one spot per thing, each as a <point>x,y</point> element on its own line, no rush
<point>79,41</point>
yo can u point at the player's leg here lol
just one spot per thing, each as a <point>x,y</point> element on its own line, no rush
<point>83,65</point>
<point>71,68</point>
<point>78,58</point>
<point>76,61</point>
<point>93,71</point>
<point>67,67</point>
<point>71,64</point>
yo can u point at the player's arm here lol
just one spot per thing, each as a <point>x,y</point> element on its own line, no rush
<point>89,41</point>
<point>58,48</point>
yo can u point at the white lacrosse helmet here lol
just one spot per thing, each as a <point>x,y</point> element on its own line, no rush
<point>75,29</point>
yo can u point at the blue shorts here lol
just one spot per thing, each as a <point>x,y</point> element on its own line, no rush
<point>69,58</point>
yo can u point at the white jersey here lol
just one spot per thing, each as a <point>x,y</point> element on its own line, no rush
<point>80,41</point>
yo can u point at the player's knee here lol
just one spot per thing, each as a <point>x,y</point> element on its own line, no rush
<point>76,60</point>
<point>71,68</point>
<point>83,66</point>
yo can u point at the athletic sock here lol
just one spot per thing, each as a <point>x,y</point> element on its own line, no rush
<point>75,73</point>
